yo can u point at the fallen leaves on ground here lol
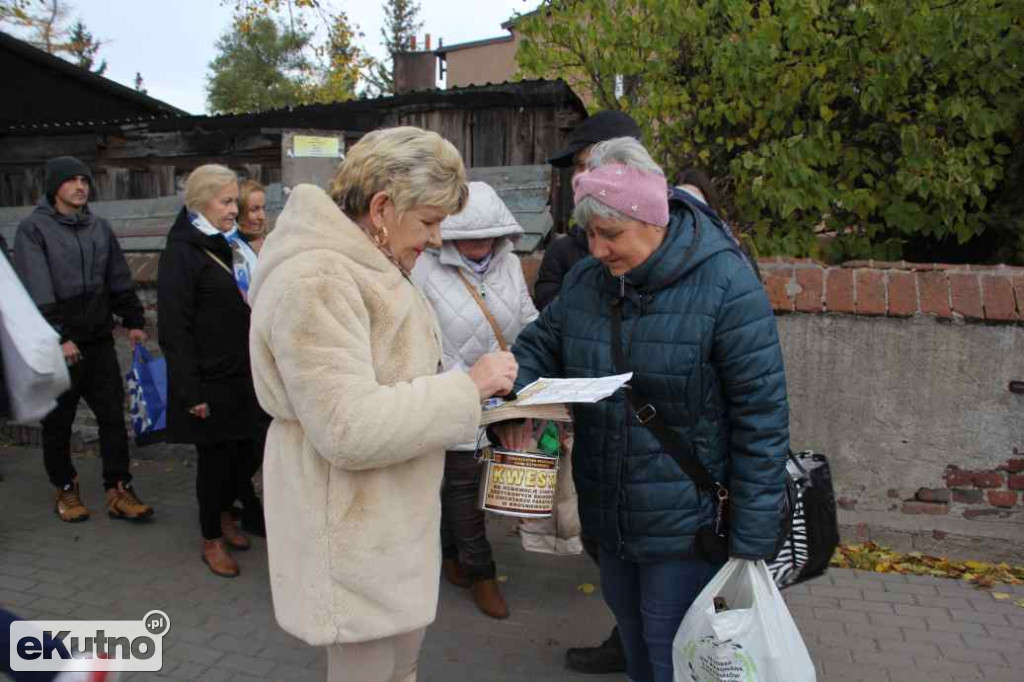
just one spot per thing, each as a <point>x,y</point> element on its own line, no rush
<point>586,588</point>
<point>880,559</point>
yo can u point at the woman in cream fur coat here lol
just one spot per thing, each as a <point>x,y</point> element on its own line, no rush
<point>345,352</point>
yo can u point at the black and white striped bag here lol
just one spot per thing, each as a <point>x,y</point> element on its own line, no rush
<point>814,534</point>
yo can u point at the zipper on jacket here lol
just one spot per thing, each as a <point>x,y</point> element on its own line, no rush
<point>81,254</point>
<point>628,425</point>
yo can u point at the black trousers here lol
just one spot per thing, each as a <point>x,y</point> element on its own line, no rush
<point>249,463</point>
<point>217,476</point>
<point>463,528</point>
<point>97,378</point>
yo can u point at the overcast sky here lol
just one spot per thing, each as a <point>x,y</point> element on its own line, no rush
<point>171,42</point>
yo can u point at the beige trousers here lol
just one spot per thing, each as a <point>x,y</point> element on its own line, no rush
<point>392,659</point>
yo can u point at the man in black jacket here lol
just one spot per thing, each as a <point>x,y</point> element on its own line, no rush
<point>566,251</point>
<point>559,258</point>
<point>72,265</point>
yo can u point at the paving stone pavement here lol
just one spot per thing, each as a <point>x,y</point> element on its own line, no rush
<point>858,626</point>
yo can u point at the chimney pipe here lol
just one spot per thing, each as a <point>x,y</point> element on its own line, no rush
<point>428,42</point>
<point>412,44</point>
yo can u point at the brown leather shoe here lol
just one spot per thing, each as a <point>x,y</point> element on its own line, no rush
<point>488,598</point>
<point>215,555</point>
<point>233,537</point>
<point>454,572</point>
<point>123,503</point>
<point>69,505</point>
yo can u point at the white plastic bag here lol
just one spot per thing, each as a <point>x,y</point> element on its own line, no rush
<point>33,362</point>
<point>752,637</point>
<point>560,533</point>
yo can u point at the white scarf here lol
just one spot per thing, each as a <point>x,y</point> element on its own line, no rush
<point>243,258</point>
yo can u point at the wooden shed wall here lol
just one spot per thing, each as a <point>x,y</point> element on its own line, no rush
<point>141,162</point>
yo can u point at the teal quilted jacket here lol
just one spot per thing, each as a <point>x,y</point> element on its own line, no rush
<point>701,339</point>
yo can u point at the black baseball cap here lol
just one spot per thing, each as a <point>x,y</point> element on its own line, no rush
<point>604,125</point>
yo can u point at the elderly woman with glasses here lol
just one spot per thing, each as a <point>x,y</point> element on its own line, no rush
<point>666,295</point>
<point>345,356</point>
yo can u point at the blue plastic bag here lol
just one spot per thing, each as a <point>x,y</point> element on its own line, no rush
<point>147,393</point>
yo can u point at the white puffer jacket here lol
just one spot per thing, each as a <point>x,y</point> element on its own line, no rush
<point>465,331</point>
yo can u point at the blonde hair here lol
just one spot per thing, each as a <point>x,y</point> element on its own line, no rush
<point>413,166</point>
<point>204,183</point>
<point>244,191</point>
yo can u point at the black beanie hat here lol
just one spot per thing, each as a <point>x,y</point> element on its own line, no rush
<point>61,169</point>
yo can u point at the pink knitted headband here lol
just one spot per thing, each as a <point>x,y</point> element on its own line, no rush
<point>633,192</point>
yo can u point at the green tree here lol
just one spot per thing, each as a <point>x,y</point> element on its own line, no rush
<point>401,23</point>
<point>44,24</point>
<point>343,64</point>
<point>82,47</point>
<point>880,120</point>
<point>259,66</point>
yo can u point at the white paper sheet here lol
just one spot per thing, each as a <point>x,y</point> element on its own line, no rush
<point>548,391</point>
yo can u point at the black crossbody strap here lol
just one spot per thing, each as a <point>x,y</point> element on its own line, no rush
<point>647,415</point>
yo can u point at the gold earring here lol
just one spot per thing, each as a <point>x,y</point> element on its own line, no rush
<point>381,237</point>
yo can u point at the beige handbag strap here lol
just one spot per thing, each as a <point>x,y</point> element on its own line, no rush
<point>487,313</point>
<point>219,262</point>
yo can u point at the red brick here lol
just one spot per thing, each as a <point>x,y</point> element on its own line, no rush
<point>987,479</point>
<point>1018,291</point>
<point>1016,482</point>
<point>998,299</point>
<point>966,294</point>
<point>939,534</point>
<point>776,281</point>
<point>846,503</point>
<point>976,513</point>
<point>902,294</point>
<point>812,289</point>
<point>929,508</point>
<point>870,292</point>
<point>1014,466</point>
<point>956,477</point>
<point>862,532</point>
<point>964,496</point>
<point>934,289</point>
<point>1002,498</point>
<point>932,495</point>
<point>839,291</point>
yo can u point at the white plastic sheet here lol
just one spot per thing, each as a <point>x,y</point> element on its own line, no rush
<point>33,362</point>
<point>752,638</point>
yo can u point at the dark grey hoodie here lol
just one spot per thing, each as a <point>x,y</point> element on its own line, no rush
<point>75,271</point>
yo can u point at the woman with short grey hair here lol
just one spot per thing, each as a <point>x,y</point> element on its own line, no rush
<point>669,297</point>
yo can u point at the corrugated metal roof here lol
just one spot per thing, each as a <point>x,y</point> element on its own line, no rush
<point>93,80</point>
<point>355,115</point>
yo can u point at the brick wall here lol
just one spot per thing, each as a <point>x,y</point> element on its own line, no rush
<point>976,293</point>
